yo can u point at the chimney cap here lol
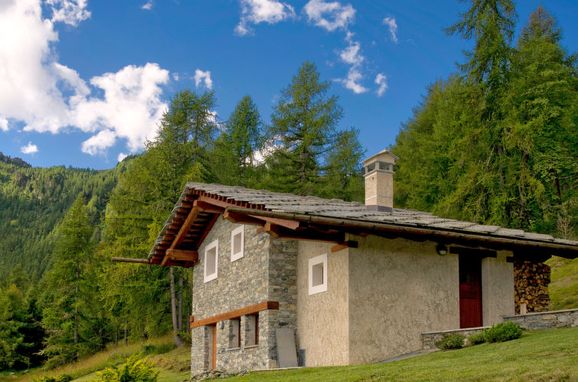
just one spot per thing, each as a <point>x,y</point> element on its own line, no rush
<point>386,154</point>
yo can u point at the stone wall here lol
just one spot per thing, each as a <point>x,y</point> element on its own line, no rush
<point>531,279</point>
<point>429,339</point>
<point>242,283</point>
<point>545,320</point>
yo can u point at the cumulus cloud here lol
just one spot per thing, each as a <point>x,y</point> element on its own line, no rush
<point>97,144</point>
<point>203,77</point>
<point>3,124</point>
<point>147,7</point>
<point>29,149</point>
<point>46,96</point>
<point>121,157</point>
<point>352,81</point>
<point>352,54</point>
<point>392,26</point>
<point>329,15</point>
<point>381,82</point>
<point>71,12</point>
<point>131,108</point>
<point>262,11</point>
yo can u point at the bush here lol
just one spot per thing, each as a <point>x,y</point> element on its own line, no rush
<point>476,339</point>
<point>133,370</point>
<point>451,341</point>
<point>505,331</point>
<point>60,378</point>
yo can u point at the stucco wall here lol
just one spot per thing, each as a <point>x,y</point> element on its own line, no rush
<point>497,288</point>
<point>398,289</point>
<point>322,318</point>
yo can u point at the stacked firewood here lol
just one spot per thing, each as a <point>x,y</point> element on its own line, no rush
<point>531,279</point>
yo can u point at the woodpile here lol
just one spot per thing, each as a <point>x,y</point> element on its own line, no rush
<point>531,279</point>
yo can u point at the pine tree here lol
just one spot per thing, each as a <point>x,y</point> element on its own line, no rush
<point>342,178</point>
<point>303,126</point>
<point>542,139</point>
<point>69,290</point>
<point>235,149</point>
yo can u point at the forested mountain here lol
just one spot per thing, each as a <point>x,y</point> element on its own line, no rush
<point>33,201</point>
<point>496,142</point>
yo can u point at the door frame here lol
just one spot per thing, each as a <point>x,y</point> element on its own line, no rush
<point>212,346</point>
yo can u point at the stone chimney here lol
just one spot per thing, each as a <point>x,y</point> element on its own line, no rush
<point>378,173</point>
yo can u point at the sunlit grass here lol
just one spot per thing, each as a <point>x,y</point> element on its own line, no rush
<point>109,357</point>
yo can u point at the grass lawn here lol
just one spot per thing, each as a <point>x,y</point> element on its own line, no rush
<point>549,355</point>
<point>564,287</point>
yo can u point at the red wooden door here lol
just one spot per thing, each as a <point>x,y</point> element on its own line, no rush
<point>470,291</point>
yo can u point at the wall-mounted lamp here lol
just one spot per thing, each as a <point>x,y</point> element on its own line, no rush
<point>441,249</point>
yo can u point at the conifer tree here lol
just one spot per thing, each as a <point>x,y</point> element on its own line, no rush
<point>70,291</point>
<point>235,149</point>
<point>303,126</point>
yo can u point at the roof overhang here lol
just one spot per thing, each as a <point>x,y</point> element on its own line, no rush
<point>197,211</point>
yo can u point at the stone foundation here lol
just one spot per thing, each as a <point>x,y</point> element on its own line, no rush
<point>531,279</point>
<point>429,339</point>
<point>546,320</point>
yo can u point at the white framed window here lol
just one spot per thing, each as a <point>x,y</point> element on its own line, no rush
<point>211,260</point>
<point>237,243</point>
<point>318,274</point>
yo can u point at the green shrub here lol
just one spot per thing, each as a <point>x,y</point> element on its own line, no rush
<point>476,339</point>
<point>133,370</point>
<point>451,341</point>
<point>504,331</point>
<point>60,378</point>
<point>151,349</point>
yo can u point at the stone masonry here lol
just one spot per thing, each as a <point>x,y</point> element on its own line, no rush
<point>266,272</point>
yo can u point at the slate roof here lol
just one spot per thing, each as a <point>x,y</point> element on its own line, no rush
<point>351,211</point>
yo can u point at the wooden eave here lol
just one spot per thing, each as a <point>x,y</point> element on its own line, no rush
<point>197,212</point>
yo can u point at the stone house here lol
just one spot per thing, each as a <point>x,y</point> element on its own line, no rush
<point>282,280</point>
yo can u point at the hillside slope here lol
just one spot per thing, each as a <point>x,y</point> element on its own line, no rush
<point>32,203</point>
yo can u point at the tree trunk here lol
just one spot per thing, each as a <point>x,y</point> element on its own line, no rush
<point>178,341</point>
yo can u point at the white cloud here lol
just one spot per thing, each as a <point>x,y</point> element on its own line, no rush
<point>121,157</point>
<point>381,82</point>
<point>3,124</point>
<point>352,54</point>
<point>329,15</point>
<point>99,143</point>
<point>203,77</point>
<point>392,26</point>
<point>131,108</point>
<point>262,11</point>
<point>147,7</point>
<point>354,76</point>
<point>71,12</point>
<point>29,149</point>
<point>47,96</point>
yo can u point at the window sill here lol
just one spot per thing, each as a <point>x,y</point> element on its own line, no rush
<point>233,349</point>
<point>251,347</point>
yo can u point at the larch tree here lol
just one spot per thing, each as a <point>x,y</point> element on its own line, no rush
<point>303,129</point>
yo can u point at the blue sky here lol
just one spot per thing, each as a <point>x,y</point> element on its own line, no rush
<point>83,82</point>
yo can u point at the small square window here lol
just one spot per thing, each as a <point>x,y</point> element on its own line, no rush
<point>318,274</point>
<point>252,330</point>
<point>237,243</point>
<point>235,333</point>
<point>211,260</point>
